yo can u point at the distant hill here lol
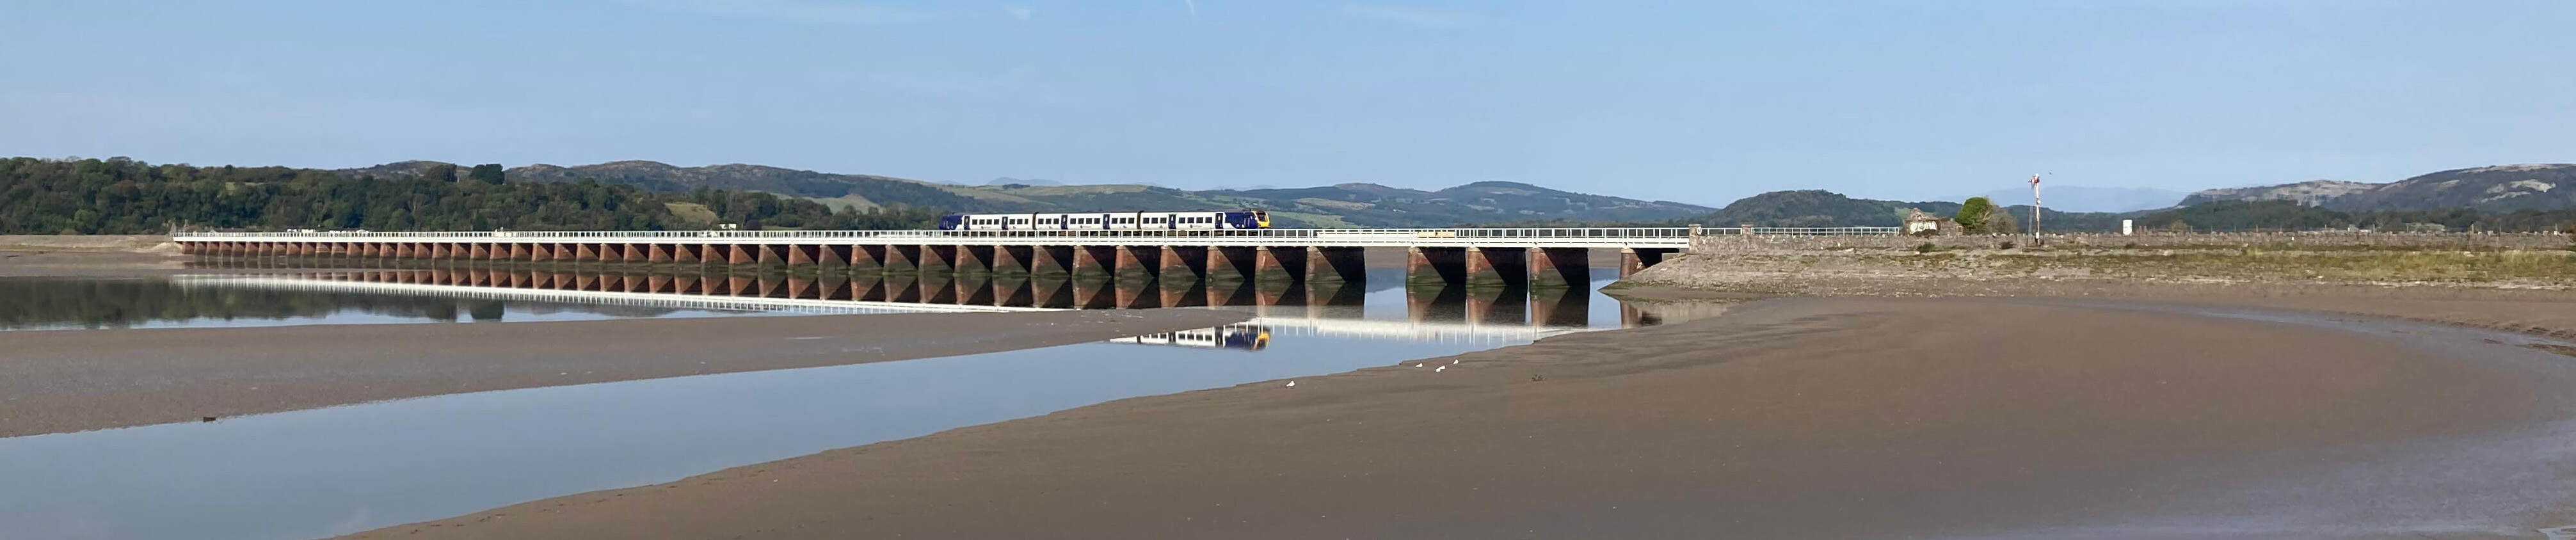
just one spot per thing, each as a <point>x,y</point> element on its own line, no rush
<point>857,190</point>
<point>2282,215</point>
<point>2489,189</point>
<point>2310,192</point>
<point>1342,205</point>
<point>1372,205</point>
<point>1005,181</point>
<point>2503,188</point>
<point>2093,199</point>
<point>1820,208</point>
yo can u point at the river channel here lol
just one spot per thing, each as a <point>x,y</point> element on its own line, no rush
<point>322,472</point>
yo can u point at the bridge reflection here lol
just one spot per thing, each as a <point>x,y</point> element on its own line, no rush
<point>1332,308</point>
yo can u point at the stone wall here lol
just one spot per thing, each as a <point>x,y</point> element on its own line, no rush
<point>1837,265</point>
<point>1732,244</point>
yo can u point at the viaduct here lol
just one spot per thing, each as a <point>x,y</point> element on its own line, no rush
<point>1537,257</point>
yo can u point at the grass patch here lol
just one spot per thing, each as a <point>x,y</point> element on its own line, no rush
<point>853,202</point>
<point>693,212</point>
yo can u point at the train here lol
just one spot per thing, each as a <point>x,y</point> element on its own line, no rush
<point>1241,337</point>
<point>1107,221</point>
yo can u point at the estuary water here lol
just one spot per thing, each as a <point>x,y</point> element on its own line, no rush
<point>322,472</point>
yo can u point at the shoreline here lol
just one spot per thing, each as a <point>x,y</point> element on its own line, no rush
<point>76,380</point>
<point>1805,418</point>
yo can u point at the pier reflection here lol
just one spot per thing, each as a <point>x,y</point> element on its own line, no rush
<point>1325,307</point>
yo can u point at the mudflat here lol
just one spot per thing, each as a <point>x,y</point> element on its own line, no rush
<point>70,380</point>
<point>1812,418</point>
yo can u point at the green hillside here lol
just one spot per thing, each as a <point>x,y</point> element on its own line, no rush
<point>1342,205</point>
<point>122,196</point>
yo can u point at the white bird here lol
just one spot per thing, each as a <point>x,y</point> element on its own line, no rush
<point>1440,369</point>
<point>1453,361</point>
<point>1417,364</point>
<point>1292,384</point>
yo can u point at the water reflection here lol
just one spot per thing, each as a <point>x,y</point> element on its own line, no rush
<point>1322,307</point>
<point>321,472</point>
<point>57,304</point>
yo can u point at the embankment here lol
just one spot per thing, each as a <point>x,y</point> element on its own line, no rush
<point>2009,265</point>
<point>85,255</point>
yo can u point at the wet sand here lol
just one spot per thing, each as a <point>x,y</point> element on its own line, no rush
<point>70,380</point>
<point>1810,418</point>
<point>55,263</point>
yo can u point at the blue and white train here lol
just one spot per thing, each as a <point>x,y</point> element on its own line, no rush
<point>1107,221</point>
<point>1240,336</point>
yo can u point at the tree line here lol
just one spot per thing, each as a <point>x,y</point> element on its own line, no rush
<point>124,196</point>
<point>2291,216</point>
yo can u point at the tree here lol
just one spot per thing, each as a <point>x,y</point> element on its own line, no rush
<point>2002,222</point>
<point>1976,216</point>
<point>440,173</point>
<point>488,173</point>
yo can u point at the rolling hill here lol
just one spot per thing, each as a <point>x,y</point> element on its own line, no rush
<point>2502,188</point>
<point>1340,205</point>
<point>2093,199</point>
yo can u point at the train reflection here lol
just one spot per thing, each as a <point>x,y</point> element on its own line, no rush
<point>1241,337</point>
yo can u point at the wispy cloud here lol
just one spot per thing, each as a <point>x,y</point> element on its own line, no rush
<point>1194,8</point>
<point>820,12</point>
<point>1418,18</point>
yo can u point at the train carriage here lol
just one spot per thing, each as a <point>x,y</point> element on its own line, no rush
<point>1107,221</point>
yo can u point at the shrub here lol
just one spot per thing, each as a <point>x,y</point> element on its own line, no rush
<point>1975,215</point>
<point>1927,247</point>
<point>2008,244</point>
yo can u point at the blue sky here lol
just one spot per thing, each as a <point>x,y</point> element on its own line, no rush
<point>1691,101</point>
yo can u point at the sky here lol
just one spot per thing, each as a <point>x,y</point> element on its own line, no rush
<point>1691,101</point>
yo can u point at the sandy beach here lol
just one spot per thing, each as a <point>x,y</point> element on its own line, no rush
<point>1808,418</point>
<point>95,255</point>
<point>71,380</point>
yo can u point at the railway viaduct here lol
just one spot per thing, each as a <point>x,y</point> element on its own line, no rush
<point>1538,257</point>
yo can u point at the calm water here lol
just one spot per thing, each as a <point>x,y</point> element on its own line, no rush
<point>322,472</point>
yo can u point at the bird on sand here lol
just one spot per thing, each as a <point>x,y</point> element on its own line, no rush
<point>1292,384</point>
<point>1453,361</point>
<point>1440,369</point>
